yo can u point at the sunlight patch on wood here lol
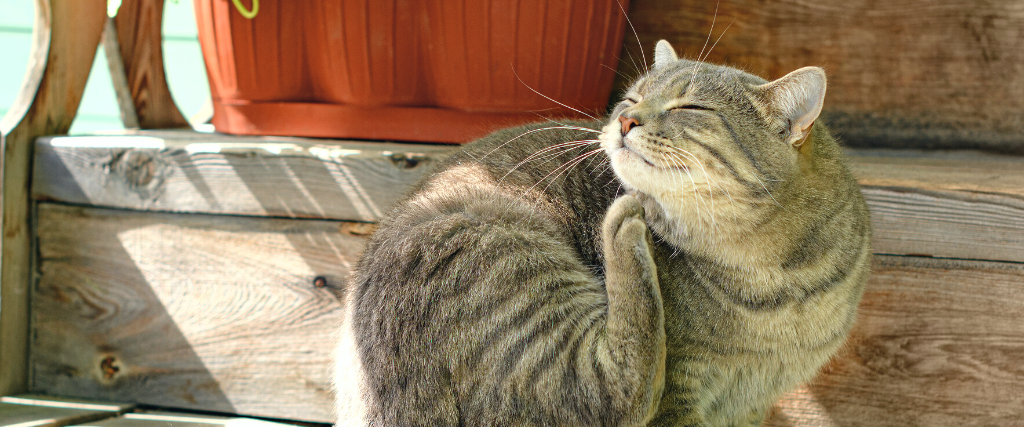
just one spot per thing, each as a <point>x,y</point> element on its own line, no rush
<point>57,404</point>
<point>800,404</point>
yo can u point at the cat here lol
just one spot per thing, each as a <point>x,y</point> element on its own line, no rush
<point>683,263</point>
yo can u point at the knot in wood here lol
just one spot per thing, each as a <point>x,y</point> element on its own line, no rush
<point>143,170</point>
<point>407,160</point>
<point>320,281</point>
<point>109,368</point>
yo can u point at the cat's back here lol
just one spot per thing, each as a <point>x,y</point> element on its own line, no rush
<point>493,235</point>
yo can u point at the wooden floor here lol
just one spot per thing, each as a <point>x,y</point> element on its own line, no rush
<point>205,272</point>
<point>43,411</point>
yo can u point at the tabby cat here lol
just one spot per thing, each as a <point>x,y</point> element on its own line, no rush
<point>682,264</point>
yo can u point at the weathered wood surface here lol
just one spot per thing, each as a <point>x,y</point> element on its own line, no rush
<point>955,204</point>
<point>190,311</point>
<point>917,73</point>
<point>937,343</point>
<point>64,42</point>
<point>958,204</point>
<point>42,411</point>
<point>180,419</point>
<point>122,91</point>
<point>192,172</point>
<point>138,26</point>
<point>218,313</point>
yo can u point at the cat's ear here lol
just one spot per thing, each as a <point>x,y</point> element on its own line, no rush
<point>664,54</point>
<point>798,97</point>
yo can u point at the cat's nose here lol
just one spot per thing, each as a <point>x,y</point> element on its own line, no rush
<point>627,124</point>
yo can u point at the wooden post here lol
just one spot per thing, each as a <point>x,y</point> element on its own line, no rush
<point>138,24</point>
<point>112,48</point>
<point>65,38</point>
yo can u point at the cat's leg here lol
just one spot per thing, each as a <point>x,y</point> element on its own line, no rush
<point>632,355</point>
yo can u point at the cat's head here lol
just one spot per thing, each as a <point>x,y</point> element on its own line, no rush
<point>711,144</point>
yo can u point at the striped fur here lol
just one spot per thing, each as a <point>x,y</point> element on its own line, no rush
<point>687,273</point>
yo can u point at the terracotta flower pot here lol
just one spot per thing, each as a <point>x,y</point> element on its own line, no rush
<point>413,70</point>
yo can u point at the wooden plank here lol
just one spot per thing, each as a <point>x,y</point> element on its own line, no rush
<point>916,73</point>
<point>199,312</point>
<point>179,419</point>
<point>208,312</point>
<point>937,343</point>
<point>65,37</point>
<point>138,26</point>
<point>44,411</point>
<point>192,172</point>
<point>122,91</point>
<point>959,204</point>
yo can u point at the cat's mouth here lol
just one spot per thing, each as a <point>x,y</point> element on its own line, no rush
<point>630,150</point>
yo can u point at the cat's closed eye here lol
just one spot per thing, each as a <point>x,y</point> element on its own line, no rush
<point>692,107</point>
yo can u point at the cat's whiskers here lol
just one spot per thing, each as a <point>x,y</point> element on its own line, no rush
<point>571,164</point>
<point>565,126</point>
<point>699,163</point>
<point>701,62</point>
<point>562,126</point>
<point>676,181</point>
<point>629,54</point>
<point>707,176</point>
<point>698,198</point>
<point>714,18</point>
<point>549,151</point>
<point>548,97</point>
<point>616,72</point>
<point>628,21</point>
<point>704,56</point>
<point>766,190</point>
<point>561,168</point>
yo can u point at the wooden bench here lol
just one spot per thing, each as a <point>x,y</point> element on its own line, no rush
<point>196,271</point>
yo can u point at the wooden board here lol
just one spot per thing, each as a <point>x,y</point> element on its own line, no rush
<point>959,204</point>
<point>43,411</point>
<point>916,73</point>
<point>200,312</point>
<point>937,343</point>
<point>209,312</point>
<point>118,77</point>
<point>953,204</point>
<point>194,172</point>
<point>180,419</point>
<point>64,44</point>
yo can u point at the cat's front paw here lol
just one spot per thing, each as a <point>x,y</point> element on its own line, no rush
<point>625,233</point>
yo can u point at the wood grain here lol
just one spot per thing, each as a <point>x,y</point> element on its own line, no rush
<point>190,172</point>
<point>917,73</point>
<point>210,312</point>
<point>138,24</point>
<point>953,204</point>
<point>961,204</point>
<point>122,90</point>
<point>937,343</point>
<point>200,312</point>
<point>41,411</point>
<point>64,42</point>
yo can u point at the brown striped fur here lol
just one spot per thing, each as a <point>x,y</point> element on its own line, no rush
<point>707,257</point>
